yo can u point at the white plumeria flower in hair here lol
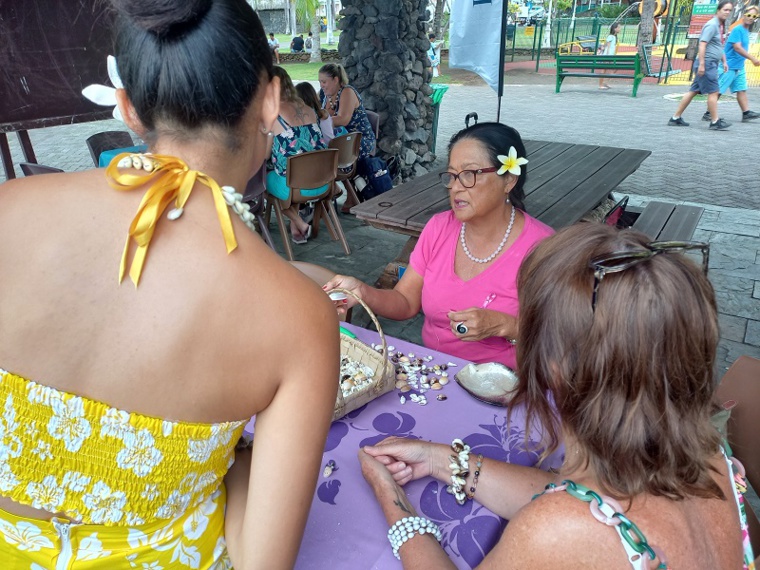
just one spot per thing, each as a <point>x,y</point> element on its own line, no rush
<point>511,163</point>
<point>104,95</point>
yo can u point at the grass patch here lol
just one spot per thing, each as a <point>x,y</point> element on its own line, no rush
<point>303,71</point>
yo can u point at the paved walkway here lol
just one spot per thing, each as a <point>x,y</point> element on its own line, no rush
<point>717,170</point>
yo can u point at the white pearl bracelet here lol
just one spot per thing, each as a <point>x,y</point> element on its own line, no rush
<point>408,528</point>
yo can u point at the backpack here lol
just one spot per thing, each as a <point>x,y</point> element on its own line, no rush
<point>374,170</point>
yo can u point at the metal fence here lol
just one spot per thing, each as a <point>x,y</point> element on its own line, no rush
<point>668,59</point>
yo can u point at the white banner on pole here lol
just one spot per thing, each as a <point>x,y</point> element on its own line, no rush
<point>475,38</point>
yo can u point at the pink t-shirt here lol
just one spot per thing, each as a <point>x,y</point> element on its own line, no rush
<point>444,291</point>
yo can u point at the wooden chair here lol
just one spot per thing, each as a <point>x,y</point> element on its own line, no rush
<point>320,275</point>
<point>107,140</point>
<point>255,196</point>
<point>374,121</point>
<point>304,171</point>
<point>31,168</point>
<point>348,152</point>
<point>740,391</point>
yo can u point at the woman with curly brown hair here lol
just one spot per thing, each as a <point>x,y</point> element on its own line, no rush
<point>616,347</point>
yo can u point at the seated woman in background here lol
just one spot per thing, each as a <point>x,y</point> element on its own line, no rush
<point>463,270</point>
<point>308,95</point>
<point>344,104</point>
<point>296,131</point>
<point>122,404</point>
<point>616,349</point>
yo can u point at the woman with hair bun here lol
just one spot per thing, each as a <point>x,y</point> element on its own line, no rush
<point>616,349</point>
<point>462,273</point>
<point>122,404</point>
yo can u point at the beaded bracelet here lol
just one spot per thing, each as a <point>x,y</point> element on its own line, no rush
<point>476,476</point>
<point>409,527</point>
<point>460,469</point>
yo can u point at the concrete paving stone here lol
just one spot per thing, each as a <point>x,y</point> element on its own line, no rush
<point>734,229</point>
<point>730,283</point>
<point>753,333</point>
<point>737,304</point>
<point>756,290</point>
<point>731,327</point>
<point>736,349</point>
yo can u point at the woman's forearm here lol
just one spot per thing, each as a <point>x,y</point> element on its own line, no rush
<point>503,488</point>
<point>388,303</point>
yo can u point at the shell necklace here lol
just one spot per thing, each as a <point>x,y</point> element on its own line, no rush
<point>498,249</point>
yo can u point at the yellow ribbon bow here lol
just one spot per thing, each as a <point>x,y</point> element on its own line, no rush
<point>170,179</point>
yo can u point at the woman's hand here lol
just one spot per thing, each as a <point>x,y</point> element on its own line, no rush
<point>483,323</point>
<point>407,459</point>
<point>345,282</point>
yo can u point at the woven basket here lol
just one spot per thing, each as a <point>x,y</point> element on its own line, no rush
<point>384,379</point>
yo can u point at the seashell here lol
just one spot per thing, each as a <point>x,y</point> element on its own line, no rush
<point>238,196</point>
<point>436,386</point>
<point>174,213</point>
<point>136,162</point>
<point>125,162</point>
<point>444,374</point>
<point>444,366</point>
<point>391,348</point>
<point>415,398</point>
<point>451,364</point>
<point>401,383</point>
<point>405,388</point>
<point>441,397</point>
<point>248,217</point>
<point>330,467</point>
<point>422,402</point>
<point>443,381</point>
<point>147,164</point>
<point>401,376</point>
<point>410,355</point>
<point>404,359</point>
<point>238,207</point>
<point>436,368</point>
<point>228,199</point>
<point>347,384</point>
<point>402,399</point>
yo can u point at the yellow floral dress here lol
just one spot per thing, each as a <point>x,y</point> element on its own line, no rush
<point>131,491</point>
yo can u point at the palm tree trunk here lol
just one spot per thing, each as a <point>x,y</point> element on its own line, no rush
<point>646,26</point>
<point>316,28</point>
<point>437,18</point>
<point>293,27</point>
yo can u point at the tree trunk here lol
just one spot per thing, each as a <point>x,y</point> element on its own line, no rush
<point>437,19</point>
<point>287,17</point>
<point>316,47</point>
<point>646,26</point>
<point>293,26</point>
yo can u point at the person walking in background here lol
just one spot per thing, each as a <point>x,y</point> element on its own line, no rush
<point>309,43</point>
<point>737,51</point>
<point>274,47</point>
<point>609,48</point>
<point>711,54</point>
<point>434,55</point>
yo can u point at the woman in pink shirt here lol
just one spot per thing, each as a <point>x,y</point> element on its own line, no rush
<point>463,272</point>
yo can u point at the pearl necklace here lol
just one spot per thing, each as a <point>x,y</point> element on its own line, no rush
<point>498,249</point>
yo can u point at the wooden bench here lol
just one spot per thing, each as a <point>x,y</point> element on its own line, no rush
<point>576,65</point>
<point>663,221</point>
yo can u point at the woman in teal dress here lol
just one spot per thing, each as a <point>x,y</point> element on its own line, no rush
<point>296,131</point>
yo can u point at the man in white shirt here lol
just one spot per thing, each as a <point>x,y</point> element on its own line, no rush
<point>274,47</point>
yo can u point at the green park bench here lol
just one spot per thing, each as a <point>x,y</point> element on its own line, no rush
<point>584,65</point>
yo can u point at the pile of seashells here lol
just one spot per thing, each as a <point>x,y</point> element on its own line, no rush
<point>416,375</point>
<point>354,376</point>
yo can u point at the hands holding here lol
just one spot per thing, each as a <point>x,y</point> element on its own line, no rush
<point>399,460</point>
<point>482,323</point>
<point>345,282</point>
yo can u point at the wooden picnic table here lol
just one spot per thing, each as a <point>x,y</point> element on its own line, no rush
<point>565,182</point>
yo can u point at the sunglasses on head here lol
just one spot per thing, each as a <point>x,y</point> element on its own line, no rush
<point>620,261</point>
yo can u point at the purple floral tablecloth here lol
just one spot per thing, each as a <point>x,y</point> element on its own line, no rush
<point>346,528</point>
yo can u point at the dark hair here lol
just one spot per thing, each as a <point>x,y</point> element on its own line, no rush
<point>497,138</point>
<point>191,64</point>
<point>308,95</point>
<point>632,381</point>
<point>335,70</point>
<point>613,27</point>
<point>723,3</point>
<point>431,36</point>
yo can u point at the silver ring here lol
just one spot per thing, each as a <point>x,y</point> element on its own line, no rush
<point>461,328</point>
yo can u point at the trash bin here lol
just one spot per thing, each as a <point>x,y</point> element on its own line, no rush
<point>436,96</point>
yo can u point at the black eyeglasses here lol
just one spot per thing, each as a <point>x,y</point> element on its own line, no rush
<point>622,260</point>
<point>467,178</point>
